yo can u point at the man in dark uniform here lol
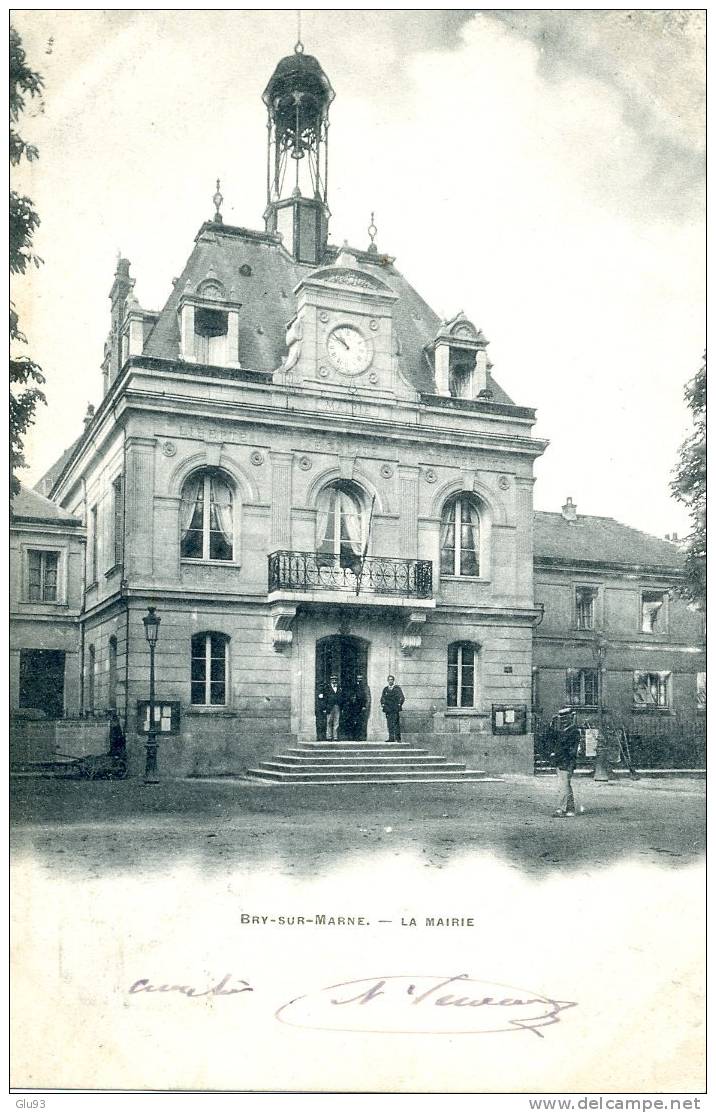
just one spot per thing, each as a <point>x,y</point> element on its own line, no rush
<point>392,700</point>
<point>362,707</point>
<point>330,701</point>
<point>566,746</point>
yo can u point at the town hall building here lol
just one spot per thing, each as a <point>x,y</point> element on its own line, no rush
<point>307,473</point>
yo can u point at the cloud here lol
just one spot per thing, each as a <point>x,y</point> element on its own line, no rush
<point>653,63</point>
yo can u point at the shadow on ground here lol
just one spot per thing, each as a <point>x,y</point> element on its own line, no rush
<point>92,829</point>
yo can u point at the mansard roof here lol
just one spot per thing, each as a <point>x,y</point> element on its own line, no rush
<point>594,540</point>
<point>258,274</point>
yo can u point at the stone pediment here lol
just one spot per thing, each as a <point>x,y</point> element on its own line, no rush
<point>349,278</point>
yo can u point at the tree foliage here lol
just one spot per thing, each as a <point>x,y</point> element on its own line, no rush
<point>25,373</point>
<point>689,487</point>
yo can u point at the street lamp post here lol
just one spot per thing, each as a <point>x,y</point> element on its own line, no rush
<point>151,632</point>
<point>601,763</point>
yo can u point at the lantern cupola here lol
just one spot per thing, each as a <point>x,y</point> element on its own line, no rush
<point>297,98</point>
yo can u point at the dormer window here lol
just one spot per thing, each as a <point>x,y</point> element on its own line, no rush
<point>211,328</point>
<point>209,325</point>
<point>462,367</point>
<point>460,359</point>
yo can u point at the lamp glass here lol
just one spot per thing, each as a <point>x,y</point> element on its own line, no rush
<point>151,626</point>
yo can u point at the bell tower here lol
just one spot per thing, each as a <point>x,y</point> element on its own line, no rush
<point>297,98</point>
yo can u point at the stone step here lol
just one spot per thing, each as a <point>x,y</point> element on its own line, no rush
<point>357,747</point>
<point>362,767</point>
<point>386,778</point>
<point>380,759</point>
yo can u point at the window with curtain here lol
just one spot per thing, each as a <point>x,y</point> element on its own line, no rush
<point>653,612</point>
<point>209,669</point>
<point>460,537</point>
<point>207,518</point>
<point>461,675</point>
<point>339,526</point>
<point>651,690</point>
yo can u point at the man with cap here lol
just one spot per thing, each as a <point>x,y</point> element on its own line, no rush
<point>331,699</point>
<point>392,700</point>
<point>566,746</point>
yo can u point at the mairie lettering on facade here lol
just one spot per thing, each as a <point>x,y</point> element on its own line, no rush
<point>311,475</point>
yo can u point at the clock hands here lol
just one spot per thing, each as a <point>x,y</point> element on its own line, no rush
<point>343,342</point>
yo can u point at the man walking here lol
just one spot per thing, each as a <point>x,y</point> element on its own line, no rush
<point>331,700</point>
<point>391,701</point>
<point>566,747</point>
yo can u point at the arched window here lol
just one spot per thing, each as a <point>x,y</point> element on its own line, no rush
<point>209,669</point>
<point>460,537</point>
<point>340,526</point>
<point>207,517</point>
<point>461,675</point>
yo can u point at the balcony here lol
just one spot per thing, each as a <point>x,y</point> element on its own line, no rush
<point>320,580</point>
<point>291,571</point>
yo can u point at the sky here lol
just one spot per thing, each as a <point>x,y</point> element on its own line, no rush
<point>540,170</point>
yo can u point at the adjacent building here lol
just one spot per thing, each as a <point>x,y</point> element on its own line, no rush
<point>616,631</point>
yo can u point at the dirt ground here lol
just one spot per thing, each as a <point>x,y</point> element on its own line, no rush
<point>88,829</point>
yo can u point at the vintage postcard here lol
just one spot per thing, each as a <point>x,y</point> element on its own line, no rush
<point>357,664</point>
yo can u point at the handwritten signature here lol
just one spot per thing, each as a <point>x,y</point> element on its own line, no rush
<point>435,1005</point>
<point>400,1003</point>
<point>221,989</point>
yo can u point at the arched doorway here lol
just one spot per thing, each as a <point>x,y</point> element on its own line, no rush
<point>345,657</point>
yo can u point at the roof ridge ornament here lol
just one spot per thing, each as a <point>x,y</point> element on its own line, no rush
<point>298,48</point>
<point>218,202</point>
<point>372,232</point>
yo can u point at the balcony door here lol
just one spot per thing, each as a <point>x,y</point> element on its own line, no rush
<point>345,657</point>
<point>340,526</point>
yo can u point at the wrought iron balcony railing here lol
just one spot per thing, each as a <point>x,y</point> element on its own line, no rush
<point>291,571</point>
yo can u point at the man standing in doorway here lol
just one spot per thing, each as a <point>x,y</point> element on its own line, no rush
<point>362,707</point>
<point>331,700</point>
<point>392,700</point>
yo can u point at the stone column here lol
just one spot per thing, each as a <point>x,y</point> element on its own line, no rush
<point>187,332</point>
<point>139,540</point>
<point>442,369</point>
<point>232,338</point>
<point>281,497</point>
<point>408,511</point>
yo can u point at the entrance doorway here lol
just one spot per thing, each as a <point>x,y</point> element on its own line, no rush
<point>345,657</point>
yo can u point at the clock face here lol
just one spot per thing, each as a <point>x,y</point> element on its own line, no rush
<point>348,350</point>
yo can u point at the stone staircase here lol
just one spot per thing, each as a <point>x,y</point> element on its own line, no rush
<point>325,763</point>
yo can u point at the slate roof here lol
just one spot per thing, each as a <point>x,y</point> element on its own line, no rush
<point>53,473</point>
<point>27,504</point>
<point>268,303</point>
<point>600,540</point>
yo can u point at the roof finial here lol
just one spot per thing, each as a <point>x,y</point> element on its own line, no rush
<point>372,232</point>
<point>218,202</point>
<point>298,48</point>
